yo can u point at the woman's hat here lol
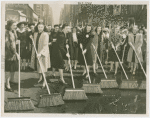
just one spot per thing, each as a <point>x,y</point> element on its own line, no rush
<point>22,22</point>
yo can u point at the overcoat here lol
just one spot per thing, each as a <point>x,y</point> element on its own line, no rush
<point>70,43</point>
<point>43,49</point>
<point>11,61</point>
<point>57,50</point>
<point>86,40</point>
<point>137,44</point>
<point>23,37</point>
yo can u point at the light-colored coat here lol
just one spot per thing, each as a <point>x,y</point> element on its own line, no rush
<point>138,44</point>
<point>43,49</point>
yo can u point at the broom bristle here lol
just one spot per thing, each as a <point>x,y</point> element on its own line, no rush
<point>92,88</point>
<point>75,94</point>
<point>19,104</point>
<point>51,100</point>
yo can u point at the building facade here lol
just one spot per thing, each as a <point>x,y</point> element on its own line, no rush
<point>23,9</point>
<point>95,14</point>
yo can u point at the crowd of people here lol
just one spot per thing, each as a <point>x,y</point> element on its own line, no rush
<point>50,44</point>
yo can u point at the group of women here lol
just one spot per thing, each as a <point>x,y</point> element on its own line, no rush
<point>54,47</point>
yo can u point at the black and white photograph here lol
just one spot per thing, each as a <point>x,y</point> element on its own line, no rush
<point>77,58</point>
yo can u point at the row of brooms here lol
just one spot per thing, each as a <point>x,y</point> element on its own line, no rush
<point>55,99</point>
<point>52,99</point>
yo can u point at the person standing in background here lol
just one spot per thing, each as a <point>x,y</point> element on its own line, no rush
<point>23,37</point>
<point>29,43</point>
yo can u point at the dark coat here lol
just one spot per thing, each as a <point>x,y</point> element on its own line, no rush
<point>86,42</point>
<point>70,43</point>
<point>11,61</point>
<point>57,50</point>
<point>23,37</point>
<point>29,44</point>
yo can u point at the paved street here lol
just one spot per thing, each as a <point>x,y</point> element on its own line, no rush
<point>96,103</point>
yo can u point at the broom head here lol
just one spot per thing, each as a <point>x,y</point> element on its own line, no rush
<point>19,104</point>
<point>92,88</point>
<point>54,99</point>
<point>75,94</point>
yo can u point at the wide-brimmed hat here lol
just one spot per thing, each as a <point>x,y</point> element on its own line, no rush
<point>22,22</point>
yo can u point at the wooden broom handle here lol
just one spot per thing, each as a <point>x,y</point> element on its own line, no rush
<point>85,63</point>
<point>99,61</point>
<point>123,53</point>
<point>41,68</point>
<point>119,61</point>
<point>70,68</point>
<point>19,70</point>
<point>139,62</point>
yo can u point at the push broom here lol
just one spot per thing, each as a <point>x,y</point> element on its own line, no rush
<point>20,103</point>
<point>99,61</point>
<point>90,88</point>
<point>74,93</point>
<point>48,99</point>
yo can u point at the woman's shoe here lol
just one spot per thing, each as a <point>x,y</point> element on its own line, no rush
<point>8,89</point>
<point>133,73</point>
<point>43,87</point>
<point>95,74</point>
<point>60,80</point>
<point>131,70</point>
<point>115,74</point>
<point>84,74</point>
<point>13,83</point>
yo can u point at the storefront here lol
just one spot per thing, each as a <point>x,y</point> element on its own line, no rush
<point>15,15</point>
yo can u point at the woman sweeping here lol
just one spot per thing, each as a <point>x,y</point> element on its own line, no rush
<point>57,40</point>
<point>116,39</point>
<point>135,42</point>
<point>86,39</point>
<point>11,55</point>
<point>41,40</point>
